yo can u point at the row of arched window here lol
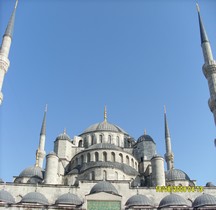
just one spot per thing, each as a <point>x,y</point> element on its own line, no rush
<point>104,156</point>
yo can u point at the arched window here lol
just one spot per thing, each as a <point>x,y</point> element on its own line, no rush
<point>118,141</point>
<point>127,160</point>
<point>104,156</point>
<point>92,140</point>
<point>96,156</point>
<point>121,158</point>
<point>132,162</point>
<point>116,175</point>
<point>104,175</point>
<point>80,143</point>
<point>113,157</point>
<point>82,159</point>
<point>93,175</point>
<point>88,157</point>
<point>101,138</point>
<point>109,139</point>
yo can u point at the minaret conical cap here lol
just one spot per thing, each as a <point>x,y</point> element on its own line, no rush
<point>10,27</point>
<point>203,34</point>
<point>167,133</point>
<point>43,127</point>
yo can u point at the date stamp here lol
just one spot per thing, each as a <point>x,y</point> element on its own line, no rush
<point>181,189</point>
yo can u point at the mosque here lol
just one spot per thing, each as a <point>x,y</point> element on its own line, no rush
<point>104,167</point>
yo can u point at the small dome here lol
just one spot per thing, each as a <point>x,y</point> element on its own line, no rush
<point>104,186</point>
<point>1,181</point>
<point>104,126</point>
<point>63,136</point>
<point>35,197</point>
<point>6,197</point>
<point>210,184</point>
<point>204,200</point>
<point>69,199</point>
<point>145,137</point>
<point>104,146</point>
<point>139,200</point>
<point>173,200</point>
<point>176,174</point>
<point>32,171</point>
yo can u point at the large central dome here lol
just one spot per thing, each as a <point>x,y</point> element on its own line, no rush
<point>104,126</point>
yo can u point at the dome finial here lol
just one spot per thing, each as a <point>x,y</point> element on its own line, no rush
<point>105,114</point>
<point>65,131</point>
<point>145,131</point>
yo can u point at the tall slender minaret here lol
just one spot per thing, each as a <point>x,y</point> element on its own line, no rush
<point>40,153</point>
<point>209,67</point>
<point>5,49</point>
<point>169,156</point>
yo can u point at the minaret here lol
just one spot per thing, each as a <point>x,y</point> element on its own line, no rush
<point>209,67</point>
<point>40,153</point>
<point>169,156</point>
<point>5,49</point>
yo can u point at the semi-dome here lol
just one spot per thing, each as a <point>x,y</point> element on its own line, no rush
<point>176,174</point>
<point>104,186</point>
<point>35,197</point>
<point>69,199</point>
<point>145,137</point>
<point>6,197</point>
<point>104,126</point>
<point>204,200</point>
<point>173,200</point>
<point>104,146</point>
<point>32,171</point>
<point>139,200</point>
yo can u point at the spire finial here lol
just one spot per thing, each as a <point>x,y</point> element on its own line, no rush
<point>164,109</point>
<point>105,114</point>
<point>145,131</point>
<point>16,4</point>
<point>197,6</point>
<point>46,107</point>
<point>65,131</point>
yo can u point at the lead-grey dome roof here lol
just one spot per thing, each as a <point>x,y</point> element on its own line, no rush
<point>32,171</point>
<point>204,200</point>
<point>104,126</point>
<point>145,137</point>
<point>35,197</point>
<point>176,174</point>
<point>139,200</point>
<point>1,180</point>
<point>173,200</point>
<point>69,199</point>
<point>104,186</point>
<point>6,197</point>
<point>63,136</point>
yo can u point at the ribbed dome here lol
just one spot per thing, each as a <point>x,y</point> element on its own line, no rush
<point>69,199</point>
<point>145,138</point>
<point>139,200</point>
<point>173,200</point>
<point>104,126</point>
<point>32,171</point>
<point>6,197</point>
<point>63,136</point>
<point>104,146</point>
<point>204,200</point>
<point>35,197</point>
<point>104,186</point>
<point>176,174</point>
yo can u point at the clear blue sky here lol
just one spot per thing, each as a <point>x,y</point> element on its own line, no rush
<point>132,55</point>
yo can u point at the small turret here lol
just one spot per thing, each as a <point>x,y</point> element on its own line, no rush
<point>5,49</point>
